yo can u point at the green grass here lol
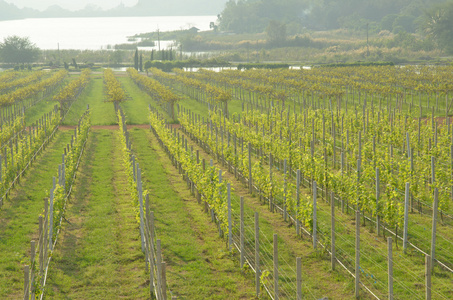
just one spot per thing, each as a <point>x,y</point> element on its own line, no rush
<point>45,105</point>
<point>103,113</point>
<point>20,215</point>
<point>199,265</point>
<point>37,111</point>
<point>136,109</point>
<point>98,255</point>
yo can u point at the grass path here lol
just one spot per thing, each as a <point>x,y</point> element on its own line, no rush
<point>98,255</point>
<point>136,110</point>
<point>19,216</point>
<point>102,113</point>
<point>34,113</point>
<point>199,265</point>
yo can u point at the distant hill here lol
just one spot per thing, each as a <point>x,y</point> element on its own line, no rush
<point>253,16</point>
<point>179,7</point>
<point>142,8</point>
<point>12,12</point>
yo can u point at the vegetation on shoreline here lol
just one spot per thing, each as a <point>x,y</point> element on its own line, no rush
<point>291,31</point>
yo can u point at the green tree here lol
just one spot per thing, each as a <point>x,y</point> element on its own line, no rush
<point>148,65</point>
<point>406,22</point>
<point>387,22</point>
<point>276,32</point>
<point>438,25</point>
<point>117,57</point>
<point>18,50</point>
<point>74,63</point>
<point>140,65</point>
<point>136,59</point>
<point>239,17</point>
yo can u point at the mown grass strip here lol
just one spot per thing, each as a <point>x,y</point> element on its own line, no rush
<point>19,217</point>
<point>136,109</point>
<point>35,112</point>
<point>102,113</point>
<point>99,256</point>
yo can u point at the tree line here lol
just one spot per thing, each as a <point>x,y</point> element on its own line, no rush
<point>430,18</point>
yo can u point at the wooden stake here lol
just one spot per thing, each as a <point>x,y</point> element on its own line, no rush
<point>357,253</point>
<point>390,267</point>
<point>332,230</point>
<point>433,232</point>
<point>257,256</point>
<point>164,280</point>
<point>428,268</point>
<point>315,191</point>
<point>242,234</point>
<point>299,278</point>
<point>26,282</point>
<point>378,209</point>
<point>230,225</point>
<point>406,217</point>
<point>275,267</point>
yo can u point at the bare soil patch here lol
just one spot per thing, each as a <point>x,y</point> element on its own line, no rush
<point>108,127</point>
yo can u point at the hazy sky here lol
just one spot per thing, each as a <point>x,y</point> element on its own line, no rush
<point>70,4</point>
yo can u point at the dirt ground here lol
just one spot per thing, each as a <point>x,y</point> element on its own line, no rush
<point>109,127</point>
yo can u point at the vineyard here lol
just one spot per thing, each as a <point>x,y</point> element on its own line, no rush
<point>270,184</point>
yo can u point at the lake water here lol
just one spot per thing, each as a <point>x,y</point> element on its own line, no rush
<point>95,33</point>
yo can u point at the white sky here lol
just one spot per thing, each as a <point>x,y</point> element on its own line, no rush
<point>70,4</point>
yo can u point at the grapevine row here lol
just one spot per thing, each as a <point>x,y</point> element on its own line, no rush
<point>7,76</point>
<point>32,89</point>
<point>205,178</point>
<point>382,81</point>
<point>54,211</point>
<point>72,90</point>
<point>143,214</point>
<point>17,156</point>
<point>6,85</point>
<point>352,187</point>
<point>153,88</point>
<point>209,92</point>
<point>113,89</point>
<point>274,189</point>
